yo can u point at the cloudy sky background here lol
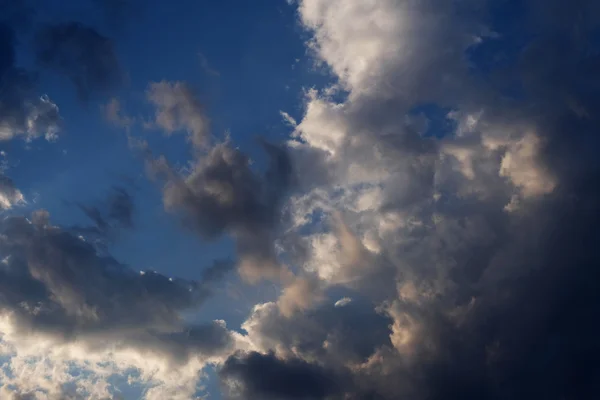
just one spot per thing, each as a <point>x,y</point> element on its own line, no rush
<point>312,199</point>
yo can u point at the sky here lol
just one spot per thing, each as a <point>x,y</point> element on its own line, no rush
<point>299,199</point>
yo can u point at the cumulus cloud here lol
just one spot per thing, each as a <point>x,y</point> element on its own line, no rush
<point>474,248</point>
<point>344,301</point>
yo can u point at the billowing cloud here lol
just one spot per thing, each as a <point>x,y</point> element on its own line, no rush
<point>222,194</point>
<point>475,246</point>
<point>269,378</point>
<point>114,114</point>
<point>469,253</point>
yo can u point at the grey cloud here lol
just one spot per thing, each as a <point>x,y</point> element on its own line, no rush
<point>22,111</point>
<point>222,194</point>
<point>267,377</point>
<point>82,54</point>
<point>328,334</point>
<point>179,109</point>
<point>114,114</point>
<point>483,302</point>
<point>55,283</point>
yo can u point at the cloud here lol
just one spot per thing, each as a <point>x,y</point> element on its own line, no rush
<point>82,54</point>
<point>178,108</point>
<point>221,194</point>
<point>56,284</point>
<point>22,111</point>
<point>114,114</point>
<point>206,66</point>
<point>468,254</point>
<point>266,377</point>
<point>474,249</point>
<point>344,301</point>
<point>9,194</point>
<point>67,304</point>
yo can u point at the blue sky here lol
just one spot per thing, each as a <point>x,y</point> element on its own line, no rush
<point>247,61</point>
<point>246,65</point>
<point>308,199</point>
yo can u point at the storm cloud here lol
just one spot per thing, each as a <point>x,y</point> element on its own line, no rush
<point>480,241</point>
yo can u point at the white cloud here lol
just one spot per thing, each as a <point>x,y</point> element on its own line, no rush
<point>344,301</point>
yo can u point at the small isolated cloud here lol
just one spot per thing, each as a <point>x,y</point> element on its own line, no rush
<point>206,66</point>
<point>114,114</point>
<point>179,109</point>
<point>288,119</point>
<point>343,302</point>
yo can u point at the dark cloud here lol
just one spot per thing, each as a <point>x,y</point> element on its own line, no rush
<point>56,284</point>
<point>223,194</point>
<point>82,54</point>
<point>22,111</point>
<point>484,302</point>
<point>269,378</point>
